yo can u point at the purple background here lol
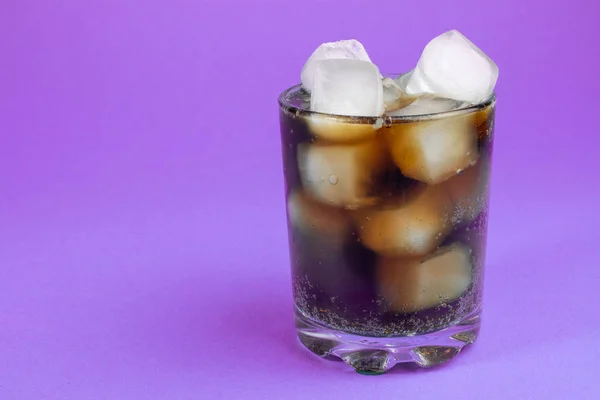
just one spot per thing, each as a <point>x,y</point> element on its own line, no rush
<point>143,249</point>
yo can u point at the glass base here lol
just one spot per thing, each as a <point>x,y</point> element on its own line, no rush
<point>377,355</point>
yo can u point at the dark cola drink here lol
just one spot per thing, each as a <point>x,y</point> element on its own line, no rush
<point>387,215</point>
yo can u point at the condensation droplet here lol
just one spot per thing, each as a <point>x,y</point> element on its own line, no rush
<point>333,179</point>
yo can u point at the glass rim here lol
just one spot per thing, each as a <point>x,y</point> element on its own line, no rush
<point>299,111</point>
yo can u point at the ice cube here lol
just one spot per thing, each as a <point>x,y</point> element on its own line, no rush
<point>416,284</point>
<point>433,151</point>
<point>452,66</point>
<point>317,220</point>
<point>403,80</point>
<point>347,87</point>
<point>326,263</point>
<point>469,191</point>
<point>393,96</point>
<point>425,104</point>
<point>341,174</point>
<point>335,130</point>
<point>409,226</point>
<point>343,49</point>
<point>391,91</point>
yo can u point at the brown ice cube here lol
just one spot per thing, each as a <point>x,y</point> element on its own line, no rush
<point>414,284</point>
<point>394,97</point>
<point>317,220</point>
<point>409,225</point>
<point>424,105</point>
<point>341,174</point>
<point>434,150</point>
<point>342,130</point>
<point>469,191</point>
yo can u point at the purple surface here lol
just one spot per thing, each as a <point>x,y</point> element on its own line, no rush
<point>143,251</point>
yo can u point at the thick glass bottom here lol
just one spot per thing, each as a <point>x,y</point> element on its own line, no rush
<point>377,355</point>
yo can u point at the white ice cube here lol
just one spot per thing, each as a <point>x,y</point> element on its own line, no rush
<point>391,91</point>
<point>347,87</point>
<point>415,284</point>
<point>343,49</point>
<point>393,96</point>
<point>403,80</point>
<point>452,66</point>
